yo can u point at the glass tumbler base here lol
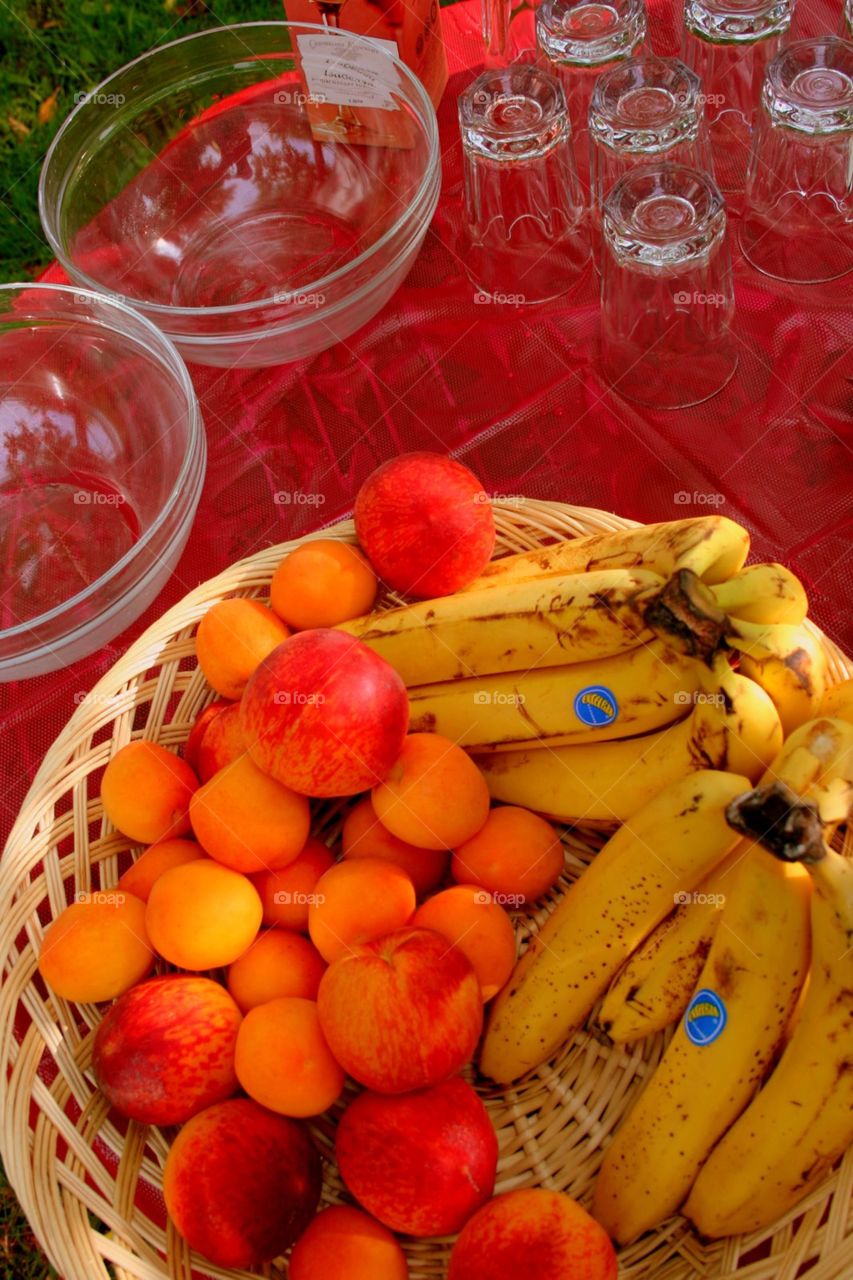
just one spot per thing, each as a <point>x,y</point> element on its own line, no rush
<point>671,383</point>
<point>795,254</point>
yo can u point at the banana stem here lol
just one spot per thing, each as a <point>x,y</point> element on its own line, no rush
<point>778,819</point>
<point>685,612</point>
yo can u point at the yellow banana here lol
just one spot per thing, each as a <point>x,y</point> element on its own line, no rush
<point>719,1053</point>
<point>788,662</point>
<point>733,725</point>
<point>838,701</point>
<point>654,987</point>
<point>763,593</point>
<point>816,763</point>
<point>631,693</point>
<point>543,622</point>
<point>624,893</point>
<point>801,1122</point>
<point>714,547</point>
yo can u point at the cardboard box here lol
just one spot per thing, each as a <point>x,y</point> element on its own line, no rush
<point>413,26</point>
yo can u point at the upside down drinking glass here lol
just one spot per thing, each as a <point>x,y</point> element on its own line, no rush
<point>667,299</point>
<point>642,111</point>
<point>730,44</point>
<point>580,39</point>
<point>525,233</point>
<point>799,219</point>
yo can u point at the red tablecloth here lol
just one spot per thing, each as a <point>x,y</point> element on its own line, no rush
<point>516,394</point>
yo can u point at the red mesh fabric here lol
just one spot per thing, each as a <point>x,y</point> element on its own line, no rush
<point>516,394</point>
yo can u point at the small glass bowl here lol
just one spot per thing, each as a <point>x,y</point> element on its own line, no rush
<point>190,185</point>
<point>102,460</point>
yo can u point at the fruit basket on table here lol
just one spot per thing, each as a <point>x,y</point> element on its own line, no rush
<point>91,1185</point>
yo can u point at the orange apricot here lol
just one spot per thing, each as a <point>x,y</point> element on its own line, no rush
<point>342,1241</point>
<point>153,861</point>
<point>146,792</point>
<point>278,963</point>
<point>365,837</point>
<point>287,892</point>
<point>322,583</point>
<point>516,855</point>
<point>282,1059</point>
<point>246,820</point>
<point>468,918</point>
<point>232,638</point>
<point>202,915</point>
<point>435,797</point>
<point>358,901</point>
<point>96,948</point>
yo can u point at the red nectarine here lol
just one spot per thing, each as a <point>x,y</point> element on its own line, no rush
<point>421,1162</point>
<point>425,523</point>
<point>325,715</point>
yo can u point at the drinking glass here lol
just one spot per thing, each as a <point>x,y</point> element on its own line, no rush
<point>642,111</point>
<point>847,20</point>
<point>798,224</point>
<point>667,298</point>
<point>730,44</point>
<point>495,22</point>
<point>580,39</point>
<point>526,237</point>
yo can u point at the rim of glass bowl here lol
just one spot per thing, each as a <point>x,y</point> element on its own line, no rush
<point>426,118</point>
<point>163,349</point>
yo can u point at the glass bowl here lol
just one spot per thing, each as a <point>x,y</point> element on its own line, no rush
<point>102,458</point>
<point>213,187</point>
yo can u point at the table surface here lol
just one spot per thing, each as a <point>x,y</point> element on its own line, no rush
<point>516,394</point>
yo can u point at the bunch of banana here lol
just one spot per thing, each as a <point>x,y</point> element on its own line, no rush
<point>719,1054</point>
<point>801,1122</point>
<point>654,988</point>
<point>733,725</point>
<point>635,692</point>
<point>626,891</point>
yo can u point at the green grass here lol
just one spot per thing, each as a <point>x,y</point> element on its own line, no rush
<point>70,46</point>
<point>20,1256</point>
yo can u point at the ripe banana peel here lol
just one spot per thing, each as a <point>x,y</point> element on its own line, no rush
<point>670,846</point>
<point>801,1122</point>
<point>654,987</point>
<point>714,547</point>
<point>733,726</point>
<point>719,1054</point>
<point>837,702</point>
<point>535,622</point>
<point>634,692</point>
<point>763,593</point>
<point>788,662</point>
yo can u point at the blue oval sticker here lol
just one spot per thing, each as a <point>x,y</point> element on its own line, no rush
<point>705,1017</point>
<point>596,706</point>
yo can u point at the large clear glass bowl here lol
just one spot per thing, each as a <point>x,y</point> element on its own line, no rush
<point>209,185</point>
<point>102,459</point>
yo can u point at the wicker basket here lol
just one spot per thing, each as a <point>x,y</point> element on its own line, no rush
<point>90,1185</point>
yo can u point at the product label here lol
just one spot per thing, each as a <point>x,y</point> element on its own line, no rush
<point>705,1017</point>
<point>349,72</point>
<point>596,706</point>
